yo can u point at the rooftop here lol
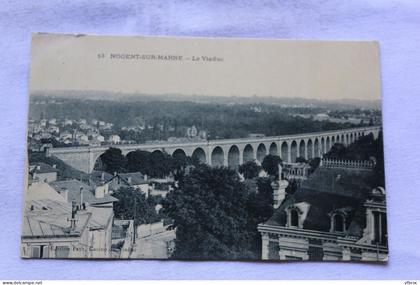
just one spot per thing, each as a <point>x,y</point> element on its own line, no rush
<point>327,190</point>
<point>50,218</point>
<point>80,192</point>
<point>41,167</point>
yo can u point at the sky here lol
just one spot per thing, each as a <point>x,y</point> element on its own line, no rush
<point>325,70</point>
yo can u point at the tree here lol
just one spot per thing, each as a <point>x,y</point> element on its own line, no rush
<point>271,164</point>
<point>209,211</point>
<point>314,163</point>
<point>132,204</point>
<point>161,164</point>
<point>260,209</point>
<point>138,161</point>
<point>113,160</point>
<point>249,169</point>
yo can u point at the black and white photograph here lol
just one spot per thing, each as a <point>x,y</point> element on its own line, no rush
<point>204,149</point>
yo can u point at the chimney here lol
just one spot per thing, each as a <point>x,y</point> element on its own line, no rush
<point>73,216</point>
<point>81,195</point>
<point>54,166</point>
<point>102,175</point>
<point>38,167</point>
<point>129,179</point>
<point>145,177</point>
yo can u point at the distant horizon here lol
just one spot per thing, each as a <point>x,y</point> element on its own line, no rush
<point>93,94</point>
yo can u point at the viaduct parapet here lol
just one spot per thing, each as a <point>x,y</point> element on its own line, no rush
<point>228,152</point>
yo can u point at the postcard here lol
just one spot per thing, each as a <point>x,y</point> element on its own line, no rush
<point>204,149</point>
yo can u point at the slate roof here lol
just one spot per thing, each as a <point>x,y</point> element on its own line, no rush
<point>96,176</point>
<point>137,178</point>
<point>80,192</point>
<point>49,218</point>
<point>327,190</point>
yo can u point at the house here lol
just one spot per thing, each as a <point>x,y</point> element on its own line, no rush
<point>52,122</point>
<point>192,132</point>
<point>114,139</point>
<point>53,227</point>
<point>135,180</point>
<point>68,122</point>
<point>65,135</point>
<point>43,172</point>
<point>82,194</point>
<point>334,215</point>
<point>97,201</point>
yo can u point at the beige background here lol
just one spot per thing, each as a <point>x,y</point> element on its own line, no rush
<point>278,68</point>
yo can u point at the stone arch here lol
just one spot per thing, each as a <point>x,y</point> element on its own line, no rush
<point>273,150</point>
<point>233,157</point>
<point>316,147</point>
<point>351,138</point>
<point>293,151</point>
<point>347,139</point>
<point>284,151</point>
<point>337,140</point>
<point>98,165</point>
<point>248,153</point>
<point>217,156</point>
<point>302,149</point>
<point>179,153</point>
<point>309,149</point>
<point>332,140</point>
<point>261,152</point>
<point>342,139</point>
<point>200,155</point>
<point>327,144</point>
<point>322,146</point>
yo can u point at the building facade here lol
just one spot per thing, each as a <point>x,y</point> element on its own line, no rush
<point>334,215</point>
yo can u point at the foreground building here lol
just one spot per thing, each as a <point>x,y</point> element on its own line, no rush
<point>67,219</point>
<point>336,214</point>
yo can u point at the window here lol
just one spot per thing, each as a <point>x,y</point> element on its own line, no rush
<point>273,250</point>
<point>289,257</point>
<point>40,251</point>
<point>294,218</point>
<point>338,223</point>
<point>62,252</point>
<point>380,228</point>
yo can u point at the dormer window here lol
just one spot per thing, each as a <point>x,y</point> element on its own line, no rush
<point>294,218</point>
<point>338,223</point>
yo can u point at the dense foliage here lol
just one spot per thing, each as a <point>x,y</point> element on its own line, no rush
<point>249,169</point>
<point>214,215</point>
<point>134,205</point>
<point>154,164</point>
<point>271,164</point>
<point>163,119</point>
<point>209,210</point>
<point>113,161</point>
